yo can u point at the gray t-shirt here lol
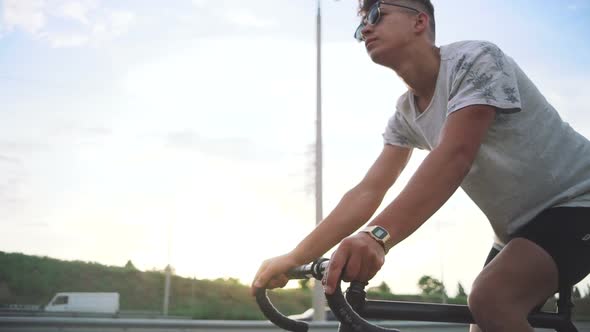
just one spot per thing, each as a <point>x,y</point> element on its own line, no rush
<point>530,159</point>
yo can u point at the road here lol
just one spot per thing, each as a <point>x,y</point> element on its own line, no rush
<point>60,324</point>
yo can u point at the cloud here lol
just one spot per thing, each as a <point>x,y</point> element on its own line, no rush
<point>12,179</point>
<point>20,146</point>
<point>116,22</point>
<point>26,15</point>
<point>199,3</point>
<point>50,139</point>
<point>9,160</point>
<point>66,23</point>
<point>59,40</point>
<point>226,148</point>
<point>98,131</point>
<point>77,10</point>
<point>232,13</point>
<point>39,224</point>
<point>246,18</point>
<point>73,131</point>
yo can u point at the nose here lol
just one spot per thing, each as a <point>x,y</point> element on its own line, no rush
<point>367,29</point>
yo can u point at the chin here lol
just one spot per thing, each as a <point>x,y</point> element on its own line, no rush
<point>376,55</point>
<point>382,55</point>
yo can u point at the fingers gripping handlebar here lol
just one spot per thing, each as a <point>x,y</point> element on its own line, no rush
<point>340,307</point>
<point>347,316</point>
<point>312,270</point>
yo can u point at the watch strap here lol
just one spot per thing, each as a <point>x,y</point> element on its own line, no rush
<point>379,234</point>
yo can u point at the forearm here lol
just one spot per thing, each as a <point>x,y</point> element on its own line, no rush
<point>437,178</point>
<point>353,210</point>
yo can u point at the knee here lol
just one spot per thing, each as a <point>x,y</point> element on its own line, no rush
<point>487,305</point>
<point>492,308</point>
<point>482,301</point>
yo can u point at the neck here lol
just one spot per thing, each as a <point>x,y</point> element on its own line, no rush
<point>418,67</point>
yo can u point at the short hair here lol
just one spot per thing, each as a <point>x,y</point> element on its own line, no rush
<point>422,5</point>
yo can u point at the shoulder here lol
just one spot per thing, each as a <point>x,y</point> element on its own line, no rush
<point>463,57</point>
<point>468,48</point>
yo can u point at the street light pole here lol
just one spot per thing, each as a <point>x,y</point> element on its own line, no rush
<point>319,301</point>
<point>168,272</point>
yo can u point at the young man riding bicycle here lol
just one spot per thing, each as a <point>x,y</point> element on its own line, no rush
<point>488,130</point>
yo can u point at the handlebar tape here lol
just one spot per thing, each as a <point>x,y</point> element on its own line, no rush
<point>347,316</point>
<point>275,316</point>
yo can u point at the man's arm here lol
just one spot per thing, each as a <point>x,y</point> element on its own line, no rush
<point>356,206</point>
<point>439,175</point>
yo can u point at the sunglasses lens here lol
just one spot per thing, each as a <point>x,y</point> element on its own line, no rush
<point>373,16</point>
<point>358,34</point>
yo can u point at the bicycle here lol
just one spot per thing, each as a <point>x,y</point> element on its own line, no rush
<point>353,310</point>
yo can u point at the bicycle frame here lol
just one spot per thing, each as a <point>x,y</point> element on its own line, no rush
<point>353,310</point>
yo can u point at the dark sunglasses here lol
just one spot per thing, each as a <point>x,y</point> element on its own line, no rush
<point>374,16</point>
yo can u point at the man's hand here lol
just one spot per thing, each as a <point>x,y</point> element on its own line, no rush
<point>272,273</point>
<point>358,258</point>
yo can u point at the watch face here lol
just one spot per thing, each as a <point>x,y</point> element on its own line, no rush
<point>379,232</point>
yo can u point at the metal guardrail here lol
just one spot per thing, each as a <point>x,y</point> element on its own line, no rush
<point>140,314</point>
<point>116,324</point>
<point>37,324</point>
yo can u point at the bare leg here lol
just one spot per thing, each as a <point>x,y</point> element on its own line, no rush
<point>520,277</point>
<point>474,328</point>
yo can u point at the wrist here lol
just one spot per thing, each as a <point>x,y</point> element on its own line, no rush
<point>379,235</point>
<point>373,240</point>
<point>297,257</point>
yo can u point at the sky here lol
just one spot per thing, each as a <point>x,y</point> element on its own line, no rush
<point>183,132</point>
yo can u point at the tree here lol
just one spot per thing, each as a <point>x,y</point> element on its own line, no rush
<point>461,290</point>
<point>384,288</point>
<point>576,294</point>
<point>431,286</point>
<point>130,266</point>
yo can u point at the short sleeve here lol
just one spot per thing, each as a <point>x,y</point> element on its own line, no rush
<point>397,132</point>
<point>484,75</point>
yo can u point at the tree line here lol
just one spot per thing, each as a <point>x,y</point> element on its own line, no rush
<point>33,280</point>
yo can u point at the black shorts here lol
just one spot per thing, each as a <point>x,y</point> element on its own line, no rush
<point>564,233</point>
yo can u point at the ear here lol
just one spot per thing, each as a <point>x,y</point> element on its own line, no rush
<point>422,22</point>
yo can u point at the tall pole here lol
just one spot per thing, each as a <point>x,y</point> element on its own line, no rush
<point>167,290</point>
<point>168,272</point>
<point>442,260</point>
<point>319,301</point>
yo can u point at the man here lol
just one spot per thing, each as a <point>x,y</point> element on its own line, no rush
<point>489,131</point>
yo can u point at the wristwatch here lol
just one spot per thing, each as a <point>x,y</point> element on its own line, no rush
<point>379,234</point>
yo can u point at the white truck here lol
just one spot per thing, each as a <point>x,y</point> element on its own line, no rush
<point>104,303</point>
